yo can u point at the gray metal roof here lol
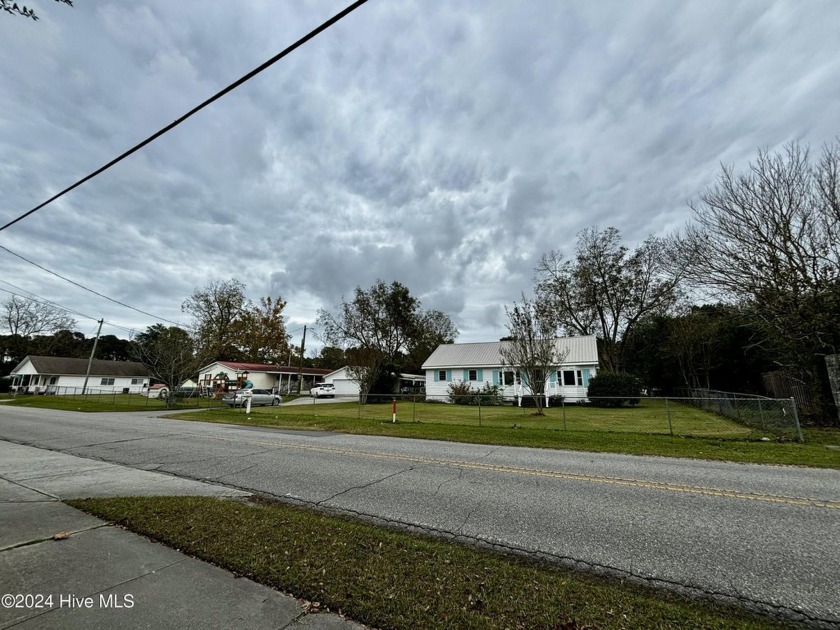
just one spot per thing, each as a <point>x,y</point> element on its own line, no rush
<point>581,351</point>
<point>58,366</point>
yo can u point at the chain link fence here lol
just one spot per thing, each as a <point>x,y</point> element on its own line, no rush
<point>777,415</point>
<point>709,415</point>
<point>191,399</point>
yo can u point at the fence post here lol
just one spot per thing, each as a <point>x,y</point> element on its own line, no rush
<point>479,409</point>
<point>414,408</point>
<point>761,415</point>
<point>799,437</point>
<point>563,406</point>
<point>668,411</point>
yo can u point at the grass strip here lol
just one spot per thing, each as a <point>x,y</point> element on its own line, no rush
<point>390,579</point>
<point>745,450</point>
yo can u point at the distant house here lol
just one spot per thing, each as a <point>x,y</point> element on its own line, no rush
<point>66,376</point>
<point>346,386</point>
<point>482,363</point>
<point>278,378</point>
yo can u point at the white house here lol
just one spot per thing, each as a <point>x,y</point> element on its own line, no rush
<point>278,378</point>
<point>66,376</point>
<point>482,363</point>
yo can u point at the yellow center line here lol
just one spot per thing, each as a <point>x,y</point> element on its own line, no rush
<point>553,474</point>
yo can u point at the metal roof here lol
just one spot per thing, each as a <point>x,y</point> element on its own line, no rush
<point>264,367</point>
<point>581,351</point>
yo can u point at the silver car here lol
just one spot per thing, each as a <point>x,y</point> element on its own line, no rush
<point>258,397</point>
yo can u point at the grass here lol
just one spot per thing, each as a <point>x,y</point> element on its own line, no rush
<point>641,430</point>
<point>705,435</point>
<point>390,579</point>
<point>106,402</point>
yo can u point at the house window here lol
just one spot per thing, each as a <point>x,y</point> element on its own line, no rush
<point>107,381</point>
<point>570,378</point>
<point>53,380</point>
<point>135,381</point>
<point>510,378</point>
<point>442,375</point>
<point>473,375</point>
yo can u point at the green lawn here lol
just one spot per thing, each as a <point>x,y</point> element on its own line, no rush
<point>641,430</point>
<point>638,431</point>
<point>107,402</point>
<point>390,579</point>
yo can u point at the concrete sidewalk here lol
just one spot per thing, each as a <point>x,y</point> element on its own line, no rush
<point>104,577</point>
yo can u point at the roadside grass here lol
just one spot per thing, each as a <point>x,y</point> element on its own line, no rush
<point>705,435</point>
<point>108,402</point>
<point>390,579</point>
<point>641,430</point>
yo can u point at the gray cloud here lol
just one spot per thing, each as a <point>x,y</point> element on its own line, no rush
<point>443,146</point>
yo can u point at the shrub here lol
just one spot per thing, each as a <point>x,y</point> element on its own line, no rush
<point>463,394</point>
<point>613,390</point>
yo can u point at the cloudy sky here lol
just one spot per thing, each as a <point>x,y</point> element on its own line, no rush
<point>443,145</point>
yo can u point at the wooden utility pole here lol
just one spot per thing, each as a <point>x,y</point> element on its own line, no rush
<point>300,363</point>
<point>90,360</point>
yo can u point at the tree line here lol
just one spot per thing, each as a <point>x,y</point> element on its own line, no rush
<point>763,249</point>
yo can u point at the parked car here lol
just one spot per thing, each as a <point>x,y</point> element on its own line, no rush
<point>259,397</point>
<point>322,390</point>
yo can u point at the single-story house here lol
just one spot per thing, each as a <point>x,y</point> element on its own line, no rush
<point>66,376</point>
<point>346,386</point>
<point>482,363</point>
<point>224,375</point>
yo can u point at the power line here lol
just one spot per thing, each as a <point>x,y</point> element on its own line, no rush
<point>196,109</point>
<point>81,286</point>
<point>42,300</point>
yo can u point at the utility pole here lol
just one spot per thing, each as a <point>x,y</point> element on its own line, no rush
<point>300,363</point>
<point>90,360</point>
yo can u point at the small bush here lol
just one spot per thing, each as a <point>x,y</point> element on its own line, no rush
<point>463,394</point>
<point>614,390</point>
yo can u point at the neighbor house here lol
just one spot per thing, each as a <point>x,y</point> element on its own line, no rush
<point>481,364</point>
<point>278,378</point>
<point>346,386</point>
<point>66,376</point>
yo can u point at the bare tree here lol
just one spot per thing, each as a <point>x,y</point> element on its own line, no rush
<point>170,354</point>
<point>30,317</point>
<point>27,319</point>
<point>769,239</point>
<point>607,289</point>
<point>532,349</point>
<point>13,8</point>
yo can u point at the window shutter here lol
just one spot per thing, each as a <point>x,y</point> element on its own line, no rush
<point>586,377</point>
<point>479,375</point>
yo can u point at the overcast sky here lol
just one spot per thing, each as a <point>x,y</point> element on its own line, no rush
<point>443,145</point>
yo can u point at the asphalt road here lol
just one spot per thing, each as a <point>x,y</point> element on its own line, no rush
<point>765,535</point>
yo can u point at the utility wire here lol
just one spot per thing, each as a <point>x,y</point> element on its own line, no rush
<point>81,286</point>
<point>210,100</point>
<point>42,300</point>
